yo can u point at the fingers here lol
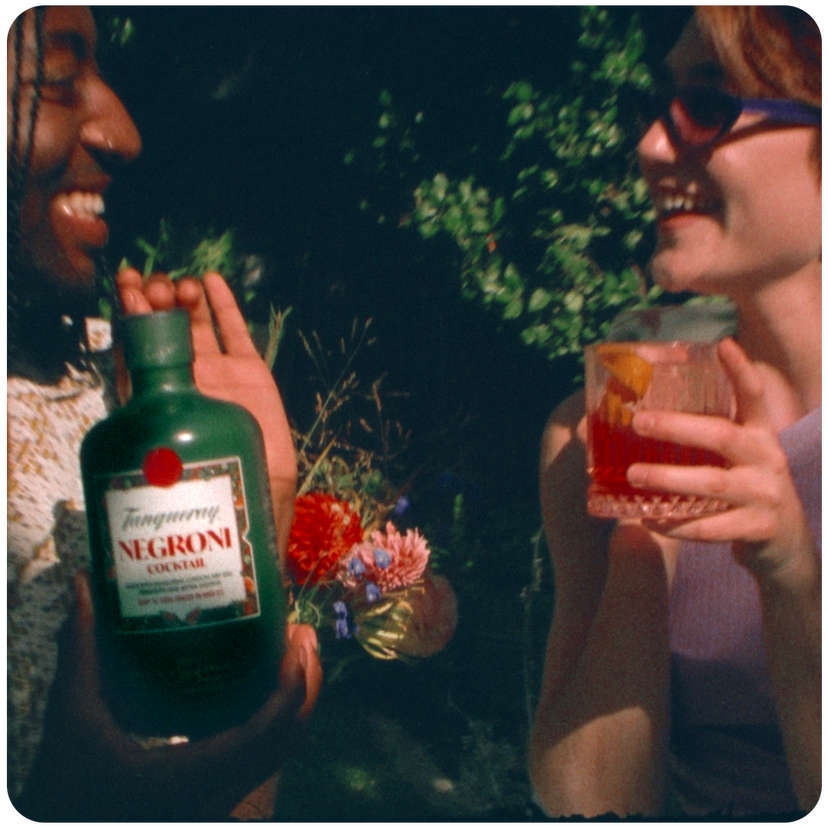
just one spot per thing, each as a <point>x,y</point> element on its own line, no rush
<point>129,277</point>
<point>700,431</point>
<point>192,295</point>
<point>139,295</point>
<point>741,523</point>
<point>738,444</point>
<point>715,482</point>
<point>212,305</point>
<point>231,324</point>
<point>222,769</point>
<point>131,291</point>
<point>717,434</point>
<point>210,302</point>
<point>751,407</point>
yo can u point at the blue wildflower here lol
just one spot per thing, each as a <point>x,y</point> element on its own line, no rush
<point>356,567</point>
<point>402,505</point>
<point>382,558</point>
<point>341,620</point>
<point>372,592</point>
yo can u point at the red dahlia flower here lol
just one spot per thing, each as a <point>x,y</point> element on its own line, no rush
<point>324,529</point>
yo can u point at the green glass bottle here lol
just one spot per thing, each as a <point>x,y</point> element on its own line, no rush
<point>189,600</point>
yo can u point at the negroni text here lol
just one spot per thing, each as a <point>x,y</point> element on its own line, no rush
<point>173,545</point>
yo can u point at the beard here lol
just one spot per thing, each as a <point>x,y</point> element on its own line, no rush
<point>45,319</point>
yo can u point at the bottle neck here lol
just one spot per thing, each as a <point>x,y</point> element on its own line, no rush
<point>148,381</point>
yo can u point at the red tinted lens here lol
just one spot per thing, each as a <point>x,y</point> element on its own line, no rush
<point>700,116</point>
<point>688,129</point>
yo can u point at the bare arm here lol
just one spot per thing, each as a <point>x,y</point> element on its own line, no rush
<point>600,736</point>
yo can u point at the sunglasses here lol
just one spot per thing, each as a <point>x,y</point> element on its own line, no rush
<point>698,116</point>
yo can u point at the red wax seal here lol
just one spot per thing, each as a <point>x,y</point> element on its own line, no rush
<point>162,467</point>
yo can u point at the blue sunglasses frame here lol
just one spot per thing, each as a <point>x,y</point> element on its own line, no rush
<point>700,116</point>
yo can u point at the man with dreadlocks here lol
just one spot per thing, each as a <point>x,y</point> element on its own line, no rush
<point>67,134</point>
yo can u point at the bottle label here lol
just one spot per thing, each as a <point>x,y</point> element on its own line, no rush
<point>178,553</point>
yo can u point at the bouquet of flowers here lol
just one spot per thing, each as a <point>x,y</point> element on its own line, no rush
<point>366,583</point>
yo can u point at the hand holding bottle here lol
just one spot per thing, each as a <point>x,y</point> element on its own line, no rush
<point>90,770</point>
<point>227,367</point>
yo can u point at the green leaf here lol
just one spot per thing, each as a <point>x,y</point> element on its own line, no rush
<point>440,186</point>
<point>574,302</point>
<point>539,299</point>
<point>522,90</point>
<point>512,278</point>
<point>550,177</point>
<point>514,308</point>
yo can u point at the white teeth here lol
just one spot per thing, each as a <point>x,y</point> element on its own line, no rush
<point>79,203</point>
<point>681,202</point>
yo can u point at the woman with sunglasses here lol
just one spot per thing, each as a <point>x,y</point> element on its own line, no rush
<point>683,670</point>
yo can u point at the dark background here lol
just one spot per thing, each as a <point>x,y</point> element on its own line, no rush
<point>247,113</point>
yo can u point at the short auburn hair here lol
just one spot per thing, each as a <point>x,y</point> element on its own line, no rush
<point>769,52</point>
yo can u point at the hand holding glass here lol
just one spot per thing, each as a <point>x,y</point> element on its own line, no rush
<point>623,378</point>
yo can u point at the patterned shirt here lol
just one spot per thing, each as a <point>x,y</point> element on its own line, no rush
<point>46,533</point>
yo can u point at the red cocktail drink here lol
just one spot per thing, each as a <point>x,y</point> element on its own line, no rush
<point>623,378</point>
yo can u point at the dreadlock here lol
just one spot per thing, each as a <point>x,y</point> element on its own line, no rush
<point>19,161</point>
<point>37,345</point>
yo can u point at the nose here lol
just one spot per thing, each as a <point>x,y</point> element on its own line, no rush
<point>108,127</point>
<point>657,145</point>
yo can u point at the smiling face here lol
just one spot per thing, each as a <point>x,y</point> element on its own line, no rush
<point>81,127</point>
<point>736,215</point>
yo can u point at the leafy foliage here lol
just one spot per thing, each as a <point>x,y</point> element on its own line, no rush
<point>558,245</point>
<point>192,253</point>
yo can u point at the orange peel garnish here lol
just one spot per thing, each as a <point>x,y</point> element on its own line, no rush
<point>631,373</point>
<point>613,411</point>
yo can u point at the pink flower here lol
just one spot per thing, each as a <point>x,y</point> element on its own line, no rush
<point>390,560</point>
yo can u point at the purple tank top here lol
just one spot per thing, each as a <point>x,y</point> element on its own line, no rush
<point>727,756</point>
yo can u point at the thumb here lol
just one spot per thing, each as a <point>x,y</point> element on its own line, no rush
<point>748,387</point>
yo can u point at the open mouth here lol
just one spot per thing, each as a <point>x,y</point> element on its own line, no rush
<point>676,203</point>
<point>76,218</point>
